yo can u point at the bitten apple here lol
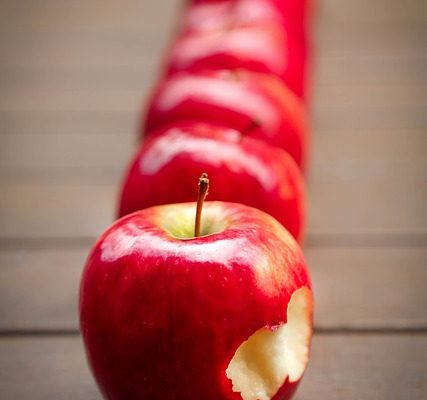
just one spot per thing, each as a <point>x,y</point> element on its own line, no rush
<point>227,315</point>
<point>243,170</point>
<point>258,105</point>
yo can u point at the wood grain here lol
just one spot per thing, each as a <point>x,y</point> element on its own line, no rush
<point>383,67</point>
<point>47,180</point>
<point>48,208</point>
<point>73,80</point>
<point>342,97</point>
<point>352,367</point>
<point>141,47</point>
<point>368,367</point>
<point>67,122</point>
<point>336,154</point>
<point>45,368</point>
<point>39,288</point>
<point>54,15</point>
<point>54,209</point>
<point>74,209</point>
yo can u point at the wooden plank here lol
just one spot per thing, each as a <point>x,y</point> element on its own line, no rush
<point>50,152</point>
<point>369,118</point>
<point>67,186</point>
<point>54,209</point>
<point>377,288</point>
<point>67,78</point>
<point>45,368</point>
<point>49,208</point>
<point>324,118</point>
<point>68,122</point>
<point>88,16</point>
<point>368,367</point>
<point>336,108</point>
<point>39,289</point>
<point>144,50</point>
<point>359,97</point>
<point>353,367</point>
<point>64,101</point>
<point>379,68</point>
<point>367,208</point>
<point>80,35</point>
<point>85,51</point>
<point>336,155</point>
<point>338,97</point>
<point>107,111</point>
<point>348,69</point>
<point>348,37</point>
<point>128,12</point>
<point>55,15</point>
<point>351,36</point>
<point>364,155</point>
<point>109,52</point>
<point>367,184</point>
<point>379,11</point>
<point>369,107</point>
<point>372,288</point>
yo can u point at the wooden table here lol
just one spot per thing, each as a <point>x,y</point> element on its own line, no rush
<point>73,77</point>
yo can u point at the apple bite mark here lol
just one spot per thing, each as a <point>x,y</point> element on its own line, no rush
<point>262,363</point>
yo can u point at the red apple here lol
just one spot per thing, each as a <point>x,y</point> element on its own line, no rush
<point>224,316</point>
<point>258,105</point>
<point>293,12</point>
<point>243,170</point>
<point>268,48</point>
<point>211,15</point>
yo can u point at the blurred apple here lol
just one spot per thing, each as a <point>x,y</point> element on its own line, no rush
<point>267,48</point>
<point>242,170</point>
<point>258,105</point>
<point>211,15</point>
<point>293,12</point>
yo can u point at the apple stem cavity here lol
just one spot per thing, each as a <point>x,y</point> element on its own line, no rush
<point>254,123</point>
<point>203,191</point>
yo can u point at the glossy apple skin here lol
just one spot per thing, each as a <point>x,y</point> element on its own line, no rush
<point>161,317</point>
<point>295,12</point>
<point>241,170</point>
<point>267,48</point>
<point>262,35</point>
<point>258,105</point>
<point>222,14</point>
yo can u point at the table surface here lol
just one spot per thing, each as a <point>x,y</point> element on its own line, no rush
<point>73,79</point>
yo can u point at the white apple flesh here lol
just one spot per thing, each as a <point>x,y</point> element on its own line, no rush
<point>270,356</point>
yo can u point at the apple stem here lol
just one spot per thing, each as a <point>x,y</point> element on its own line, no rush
<point>203,191</point>
<point>253,124</point>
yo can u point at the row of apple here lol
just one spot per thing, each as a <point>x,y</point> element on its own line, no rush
<point>220,308</point>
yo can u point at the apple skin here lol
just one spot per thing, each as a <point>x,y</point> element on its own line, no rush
<point>267,48</point>
<point>295,12</point>
<point>211,15</point>
<point>249,26</point>
<point>241,170</point>
<point>234,99</point>
<point>161,317</point>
